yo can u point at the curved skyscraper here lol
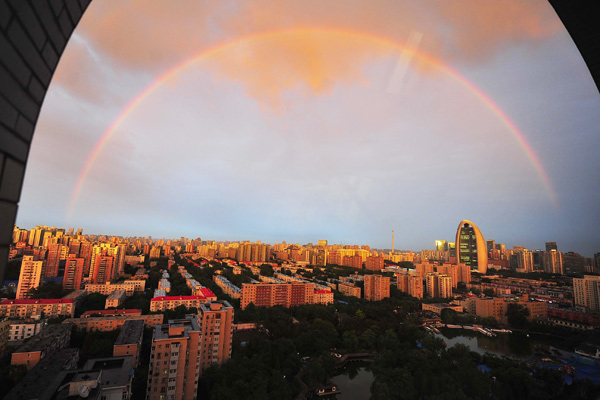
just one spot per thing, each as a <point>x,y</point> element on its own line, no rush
<point>471,248</point>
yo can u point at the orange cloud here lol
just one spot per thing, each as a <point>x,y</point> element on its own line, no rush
<point>155,35</point>
<point>150,32</point>
<point>306,61</point>
<point>480,28</point>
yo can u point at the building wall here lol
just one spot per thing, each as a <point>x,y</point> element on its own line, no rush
<point>586,292</point>
<point>24,330</point>
<point>29,277</point>
<point>173,371</point>
<point>349,290</point>
<point>115,299</point>
<point>4,336</point>
<point>377,287</point>
<point>216,325</point>
<point>49,308</point>
<point>111,323</point>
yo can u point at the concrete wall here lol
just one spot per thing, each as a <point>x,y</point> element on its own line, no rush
<point>33,35</point>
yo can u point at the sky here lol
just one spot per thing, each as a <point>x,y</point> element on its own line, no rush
<point>341,120</point>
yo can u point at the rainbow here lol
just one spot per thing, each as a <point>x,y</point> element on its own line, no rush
<point>478,93</point>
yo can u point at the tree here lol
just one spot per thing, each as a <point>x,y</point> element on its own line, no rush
<point>350,341</point>
<point>93,301</point>
<point>48,290</point>
<point>266,270</point>
<point>517,315</point>
<point>448,315</point>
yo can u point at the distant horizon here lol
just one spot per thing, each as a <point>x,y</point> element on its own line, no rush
<point>303,243</point>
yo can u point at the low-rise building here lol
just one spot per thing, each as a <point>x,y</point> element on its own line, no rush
<point>108,320</point>
<point>322,296</point>
<point>438,307</point>
<point>25,328</point>
<point>165,285</point>
<point>25,308</point>
<point>228,288</point>
<point>573,318</point>
<point>349,289</point>
<point>115,299</point>
<point>52,338</point>
<point>129,286</point>
<point>497,307</point>
<point>172,302</point>
<point>44,379</point>
<point>129,341</point>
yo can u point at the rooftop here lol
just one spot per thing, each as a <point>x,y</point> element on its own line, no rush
<point>44,339</point>
<point>37,301</point>
<point>42,380</point>
<point>214,306</point>
<point>131,332</point>
<point>176,328</point>
<point>111,312</point>
<point>170,298</point>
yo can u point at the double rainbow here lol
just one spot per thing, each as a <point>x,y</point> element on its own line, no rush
<point>428,60</point>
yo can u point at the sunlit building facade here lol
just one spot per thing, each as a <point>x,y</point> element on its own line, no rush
<point>471,248</point>
<point>29,277</point>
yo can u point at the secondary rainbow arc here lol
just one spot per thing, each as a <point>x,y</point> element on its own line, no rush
<point>476,91</point>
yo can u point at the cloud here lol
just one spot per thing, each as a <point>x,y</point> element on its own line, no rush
<point>480,29</point>
<point>154,36</point>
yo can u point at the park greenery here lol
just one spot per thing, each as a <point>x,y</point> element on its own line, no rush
<point>408,362</point>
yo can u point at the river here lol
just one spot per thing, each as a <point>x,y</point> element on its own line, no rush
<point>354,381</point>
<point>515,345</point>
<point>356,378</point>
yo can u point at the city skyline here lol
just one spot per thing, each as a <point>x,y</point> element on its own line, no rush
<point>341,124</point>
<point>315,242</point>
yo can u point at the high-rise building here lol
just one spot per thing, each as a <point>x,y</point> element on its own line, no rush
<point>216,326</point>
<point>411,284</point>
<point>155,252</point>
<point>552,262</point>
<point>471,248</point>
<point>374,263</point>
<point>438,285</point>
<point>103,269</point>
<point>491,245</point>
<point>586,292</point>
<point>377,287</point>
<point>73,273</point>
<point>523,260</point>
<point>452,252</point>
<point>174,361</point>
<point>551,246</point>
<point>431,284</point>
<point>441,245</point>
<point>444,283</point>
<point>85,252</point>
<point>30,276</point>
<point>265,294</point>
<point>53,260</point>
<point>415,286</point>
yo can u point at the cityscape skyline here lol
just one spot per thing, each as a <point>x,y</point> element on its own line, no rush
<point>436,243</point>
<point>335,123</point>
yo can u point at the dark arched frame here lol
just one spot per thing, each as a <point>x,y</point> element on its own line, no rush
<point>34,34</point>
